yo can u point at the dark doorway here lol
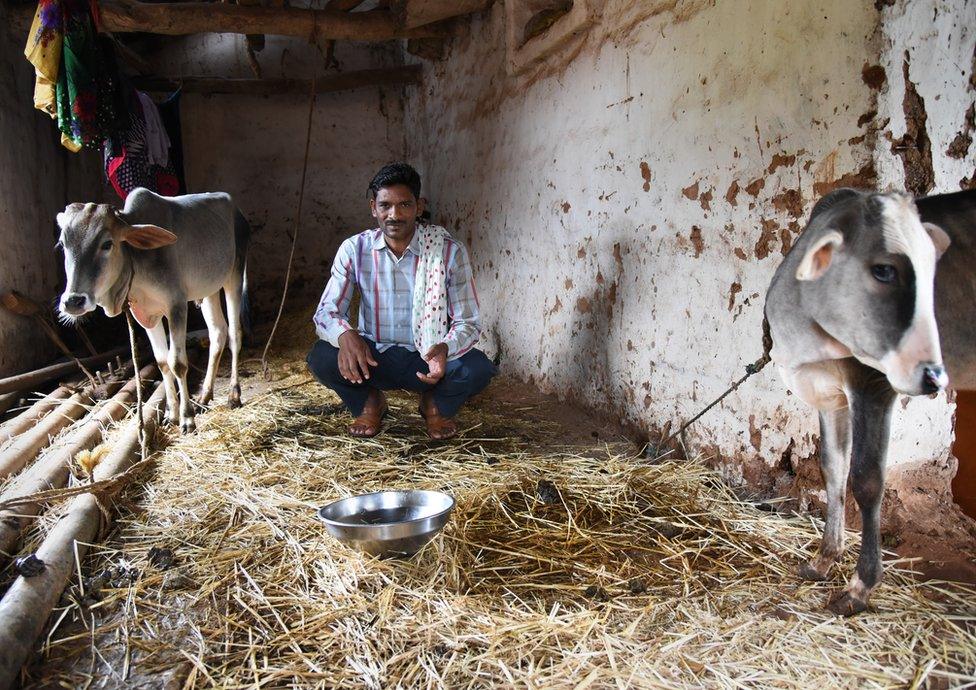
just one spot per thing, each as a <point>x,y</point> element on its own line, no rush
<point>964,448</point>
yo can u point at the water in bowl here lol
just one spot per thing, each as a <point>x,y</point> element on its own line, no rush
<point>382,516</point>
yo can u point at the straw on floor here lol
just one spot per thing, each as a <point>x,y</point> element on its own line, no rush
<point>563,566</point>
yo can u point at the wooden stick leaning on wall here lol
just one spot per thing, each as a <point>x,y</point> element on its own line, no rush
<point>27,604</point>
<point>19,304</point>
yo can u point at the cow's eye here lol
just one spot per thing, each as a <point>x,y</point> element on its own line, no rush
<point>884,273</point>
<point>106,245</point>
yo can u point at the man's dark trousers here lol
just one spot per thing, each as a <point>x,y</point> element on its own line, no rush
<point>397,368</point>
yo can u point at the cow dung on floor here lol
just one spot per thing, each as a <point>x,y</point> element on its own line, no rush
<point>565,564</point>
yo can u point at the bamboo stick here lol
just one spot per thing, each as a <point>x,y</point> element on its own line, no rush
<point>29,417</point>
<point>25,447</point>
<point>29,601</point>
<point>51,471</point>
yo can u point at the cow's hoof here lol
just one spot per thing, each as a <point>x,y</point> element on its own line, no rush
<point>845,604</point>
<point>808,572</point>
<point>169,420</point>
<point>234,398</point>
<point>188,426</point>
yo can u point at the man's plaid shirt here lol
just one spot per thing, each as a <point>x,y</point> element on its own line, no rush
<point>386,294</point>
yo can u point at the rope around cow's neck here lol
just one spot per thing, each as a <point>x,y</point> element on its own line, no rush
<point>751,370</point>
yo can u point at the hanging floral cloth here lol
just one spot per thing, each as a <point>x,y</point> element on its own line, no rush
<point>75,72</point>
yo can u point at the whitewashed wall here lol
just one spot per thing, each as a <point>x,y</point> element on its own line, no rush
<point>253,147</point>
<point>627,204</point>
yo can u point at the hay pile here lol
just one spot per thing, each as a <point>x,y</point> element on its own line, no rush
<point>562,567</point>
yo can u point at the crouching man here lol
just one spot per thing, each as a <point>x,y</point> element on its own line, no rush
<point>418,315</point>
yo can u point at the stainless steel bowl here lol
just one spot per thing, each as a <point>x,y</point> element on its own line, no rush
<point>388,523</point>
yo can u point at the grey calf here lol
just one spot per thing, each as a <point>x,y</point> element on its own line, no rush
<point>155,255</point>
<point>855,311</point>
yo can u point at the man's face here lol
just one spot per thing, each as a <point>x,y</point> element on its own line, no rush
<point>396,209</point>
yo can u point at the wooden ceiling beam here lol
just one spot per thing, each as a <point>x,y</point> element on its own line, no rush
<point>410,74</point>
<point>343,5</point>
<point>416,13</point>
<point>175,19</point>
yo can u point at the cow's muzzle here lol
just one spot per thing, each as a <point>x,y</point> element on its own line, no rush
<point>76,304</point>
<point>934,379</point>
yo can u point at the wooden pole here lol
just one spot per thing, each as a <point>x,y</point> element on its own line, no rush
<point>341,6</point>
<point>415,13</point>
<point>29,417</point>
<point>25,447</point>
<point>175,19</point>
<point>27,604</point>
<point>8,400</point>
<point>19,304</point>
<point>32,379</point>
<point>272,87</point>
<point>51,471</point>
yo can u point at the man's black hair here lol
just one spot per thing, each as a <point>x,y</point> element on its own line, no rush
<point>394,174</point>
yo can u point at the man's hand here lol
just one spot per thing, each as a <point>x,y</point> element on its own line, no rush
<point>355,358</point>
<point>436,359</point>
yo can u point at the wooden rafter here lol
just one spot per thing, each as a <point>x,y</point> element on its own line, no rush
<point>175,19</point>
<point>415,13</point>
<point>410,74</point>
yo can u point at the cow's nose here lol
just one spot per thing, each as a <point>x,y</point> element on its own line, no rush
<point>934,378</point>
<point>74,302</point>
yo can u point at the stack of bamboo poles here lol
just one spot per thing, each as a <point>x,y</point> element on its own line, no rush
<point>38,452</point>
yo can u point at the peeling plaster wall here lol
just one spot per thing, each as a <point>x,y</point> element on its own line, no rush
<point>253,147</point>
<point>925,125</point>
<point>37,178</point>
<point>627,204</point>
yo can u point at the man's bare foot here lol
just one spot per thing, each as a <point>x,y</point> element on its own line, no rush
<point>369,423</point>
<point>439,428</point>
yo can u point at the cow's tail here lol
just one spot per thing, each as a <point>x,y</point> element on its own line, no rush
<point>242,239</point>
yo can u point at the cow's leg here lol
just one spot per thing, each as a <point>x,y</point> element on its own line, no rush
<point>157,338</point>
<point>179,364</point>
<point>213,314</point>
<point>871,404</point>
<point>232,292</point>
<point>834,467</point>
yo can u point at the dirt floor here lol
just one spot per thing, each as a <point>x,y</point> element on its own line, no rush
<point>572,561</point>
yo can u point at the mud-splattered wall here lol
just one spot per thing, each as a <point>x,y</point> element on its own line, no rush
<point>925,123</point>
<point>36,176</point>
<point>253,147</point>
<point>627,203</point>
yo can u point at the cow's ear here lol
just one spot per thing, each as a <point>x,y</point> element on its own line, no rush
<point>147,236</point>
<point>818,257</point>
<point>939,238</point>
